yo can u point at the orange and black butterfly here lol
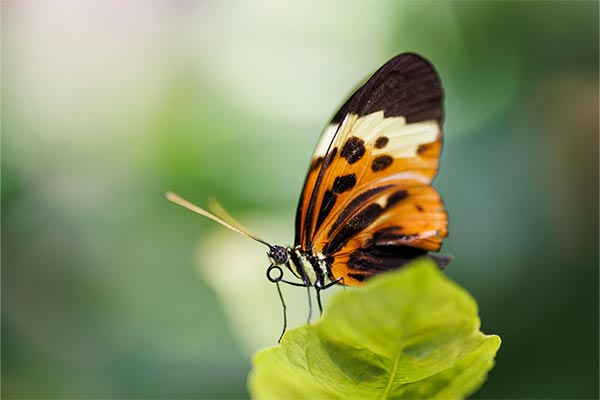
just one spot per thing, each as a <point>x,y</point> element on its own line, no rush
<point>367,205</point>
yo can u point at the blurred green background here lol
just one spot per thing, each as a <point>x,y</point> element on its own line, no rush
<point>110,291</point>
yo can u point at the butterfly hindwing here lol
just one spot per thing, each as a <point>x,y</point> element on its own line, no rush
<point>397,224</point>
<point>385,141</point>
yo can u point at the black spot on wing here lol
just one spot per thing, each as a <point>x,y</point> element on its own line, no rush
<point>380,163</point>
<point>396,197</point>
<point>316,163</point>
<point>344,183</point>
<point>353,150</point>
<point>381,142</point>
<point>354,225</point>
<point>423,148</point>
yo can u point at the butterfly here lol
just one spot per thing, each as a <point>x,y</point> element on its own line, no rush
<point>367,205</point>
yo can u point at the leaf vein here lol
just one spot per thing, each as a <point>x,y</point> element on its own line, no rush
<point>386,392</point>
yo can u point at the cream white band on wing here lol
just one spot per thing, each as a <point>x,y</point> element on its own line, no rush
<point>404,139</point>
<point>326,138</point>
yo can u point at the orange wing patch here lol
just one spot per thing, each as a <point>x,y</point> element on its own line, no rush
<point>389,229</point>
<point>373,149</point>
<point>388,215</point>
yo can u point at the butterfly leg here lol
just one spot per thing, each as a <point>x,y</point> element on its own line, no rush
<point>309,305</point>
<point>307,286</point>
<point>330,284</point>
<point>278,277</point>
<point>319,287</point>
<point>284,312</point>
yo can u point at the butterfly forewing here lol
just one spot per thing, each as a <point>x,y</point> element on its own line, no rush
<point>368,188</point>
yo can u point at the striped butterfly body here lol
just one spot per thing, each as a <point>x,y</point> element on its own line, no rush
<point>367,205</point>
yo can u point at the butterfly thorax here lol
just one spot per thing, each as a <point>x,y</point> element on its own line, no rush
<point>306,266</point>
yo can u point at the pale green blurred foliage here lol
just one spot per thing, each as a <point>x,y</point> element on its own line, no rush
<point>106,105</point>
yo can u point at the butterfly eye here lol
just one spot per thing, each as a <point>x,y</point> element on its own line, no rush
<point>278,254</point>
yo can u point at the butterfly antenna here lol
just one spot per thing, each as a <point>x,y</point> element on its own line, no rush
<point>217,209</point>
<point>235,226</point>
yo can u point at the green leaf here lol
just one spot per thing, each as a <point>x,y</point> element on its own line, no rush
<point>406,334</point>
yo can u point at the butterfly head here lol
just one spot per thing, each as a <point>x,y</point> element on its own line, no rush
<point>278,255</point>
